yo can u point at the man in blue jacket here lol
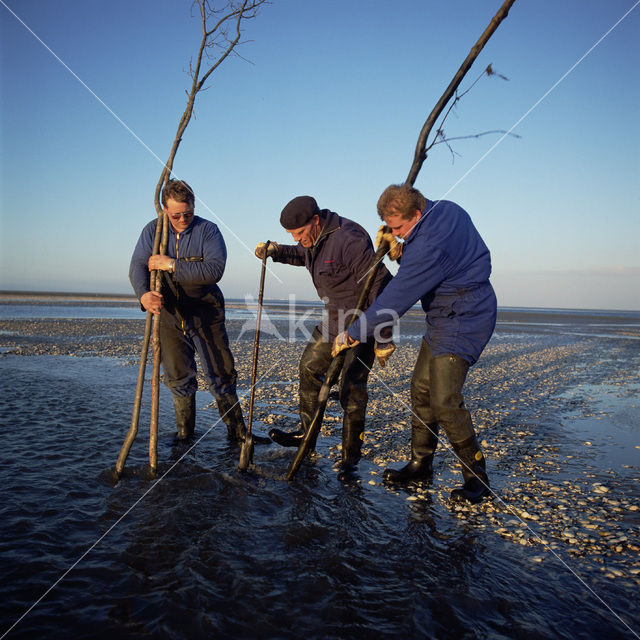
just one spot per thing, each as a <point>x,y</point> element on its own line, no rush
<point>191,309</point>
<point>446,266</point>
<point>338,254</point>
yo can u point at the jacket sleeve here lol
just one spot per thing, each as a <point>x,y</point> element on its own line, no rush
<point>139,268</point>
<point>210,269</point>
<point>290,254</point>
<point>419,273</point>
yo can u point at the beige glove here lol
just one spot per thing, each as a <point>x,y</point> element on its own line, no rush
<point>271,250</point>
<point>395,247</point>
<point>342,341</point>
<point>383,351</point>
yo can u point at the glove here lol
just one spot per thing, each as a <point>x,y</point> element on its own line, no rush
<point>342,341</point>
<point>271,249</point>
<point>395,247</point>
<point>383,351</point>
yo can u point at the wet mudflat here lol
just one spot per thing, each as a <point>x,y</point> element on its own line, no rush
<point>203,550</point>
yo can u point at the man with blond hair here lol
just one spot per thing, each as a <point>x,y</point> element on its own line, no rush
<point>445,265</point>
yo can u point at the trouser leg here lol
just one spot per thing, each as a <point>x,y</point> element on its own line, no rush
<point>218,366</point>
<point>177,356</point>
<point>212,344</point>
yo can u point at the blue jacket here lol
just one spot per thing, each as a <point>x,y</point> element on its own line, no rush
<point>446,265</point>
<point>200,255</point>
<point>338,262</point>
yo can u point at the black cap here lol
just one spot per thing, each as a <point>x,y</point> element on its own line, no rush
<point>298,212</point>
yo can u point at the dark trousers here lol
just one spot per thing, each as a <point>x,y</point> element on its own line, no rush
<point>353,395</point>
<point>210,342</point>
<point>436,396</point>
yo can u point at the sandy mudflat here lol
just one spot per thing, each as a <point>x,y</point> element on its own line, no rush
<point>556,414</point>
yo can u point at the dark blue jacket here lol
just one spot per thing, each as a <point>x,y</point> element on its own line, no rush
<point>191,291</point>
<point>446,265</point>
<point>338,262</point>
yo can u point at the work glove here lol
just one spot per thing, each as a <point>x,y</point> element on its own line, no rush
<point>342,341</point>
<point>261,247</point>
<point>395,247</point>
<point>383,351</point>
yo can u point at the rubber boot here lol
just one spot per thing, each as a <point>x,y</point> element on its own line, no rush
<point>185,408</point>
<point>308,398</point>
<point>352,436</point>
<point>287,438</point>
<point>231,413</point>
<point>476,482</point>
<point>424,440</point>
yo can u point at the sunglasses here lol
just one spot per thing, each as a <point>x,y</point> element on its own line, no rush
<point>176,216</point>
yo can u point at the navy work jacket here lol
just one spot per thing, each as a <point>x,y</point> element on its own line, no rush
<point>191,293</point>
<point>446,266</point>
<point>338,263</point>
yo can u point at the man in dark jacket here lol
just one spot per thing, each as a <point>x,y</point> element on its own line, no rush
<point>446,266</point>
<point>338,254</point>
<point>191,309</point>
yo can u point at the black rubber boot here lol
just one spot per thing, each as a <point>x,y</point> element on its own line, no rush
<point>185,408</point>
<point>424,440</point>
<point>476,482</point>
<point>352,436</point>
<point>315,359</point>
<point>294,438</point>
<point>287,438</point>
<point>231,413</point>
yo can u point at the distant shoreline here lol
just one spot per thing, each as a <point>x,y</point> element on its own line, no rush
<point>7,296</point>
<point>43,295</point>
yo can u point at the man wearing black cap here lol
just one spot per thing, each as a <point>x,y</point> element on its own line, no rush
<point>338,254</point>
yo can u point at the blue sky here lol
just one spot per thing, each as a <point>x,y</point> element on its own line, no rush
<point>330,103</point>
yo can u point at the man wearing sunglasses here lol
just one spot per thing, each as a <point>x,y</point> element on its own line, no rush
<point>191,309</point>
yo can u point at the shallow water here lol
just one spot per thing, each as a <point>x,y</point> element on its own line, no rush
<point>205,551</point>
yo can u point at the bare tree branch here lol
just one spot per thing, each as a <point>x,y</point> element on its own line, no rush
<point>440,136</point>
<point>420,154</point>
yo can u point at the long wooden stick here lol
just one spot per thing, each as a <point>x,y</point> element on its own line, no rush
<point>246,451</point>
<point>135,416</point>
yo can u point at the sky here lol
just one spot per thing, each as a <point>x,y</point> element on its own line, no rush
<point>326,99</point>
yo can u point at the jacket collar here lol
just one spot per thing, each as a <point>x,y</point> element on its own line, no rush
<point>425,214</point>
<point>331,224</point>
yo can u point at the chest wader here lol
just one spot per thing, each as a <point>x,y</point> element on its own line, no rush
<point>437,401</point>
